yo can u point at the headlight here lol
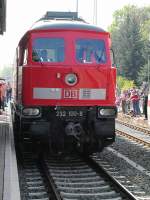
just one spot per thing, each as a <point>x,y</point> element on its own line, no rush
<point>107,112</point>
<point>71,79</point>
<point>31,111</point>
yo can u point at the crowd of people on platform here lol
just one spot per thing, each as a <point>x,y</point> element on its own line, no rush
<point>134,101</point>
<point>5,94</point>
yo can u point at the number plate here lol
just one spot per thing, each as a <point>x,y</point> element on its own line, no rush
<point>69,113</point>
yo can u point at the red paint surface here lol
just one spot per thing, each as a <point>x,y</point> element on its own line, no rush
<point>44,75</point>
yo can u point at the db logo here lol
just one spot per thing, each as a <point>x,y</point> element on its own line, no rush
<point>70,94</point>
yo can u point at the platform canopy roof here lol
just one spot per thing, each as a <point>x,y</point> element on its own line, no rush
<point>2,16</point>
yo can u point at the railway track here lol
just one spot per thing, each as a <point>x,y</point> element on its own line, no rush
<point>32,181</point>
<point>121,175</point>
<point>132,132</point>
<point>67,178</point>
<point>139,128</point>
<point>76,178</point>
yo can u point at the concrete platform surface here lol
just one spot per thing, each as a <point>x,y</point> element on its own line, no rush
<point>9,184</point>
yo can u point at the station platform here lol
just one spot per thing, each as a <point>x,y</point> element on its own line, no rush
<point>9,184</point>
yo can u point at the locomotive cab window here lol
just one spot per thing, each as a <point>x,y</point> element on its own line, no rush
<point>48,50</point>
<point>90,51</point>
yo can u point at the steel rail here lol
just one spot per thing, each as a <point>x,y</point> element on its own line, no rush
<point>50,180</point>
<point>132,137</point>
<point>100,170</point>
<point>144,130</point>
<point>136,139</point>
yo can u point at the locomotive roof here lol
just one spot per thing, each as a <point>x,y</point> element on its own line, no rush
<point>62,21</point>
<point>65,24</point>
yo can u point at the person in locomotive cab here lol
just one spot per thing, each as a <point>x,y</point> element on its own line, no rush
<point>86,54</point>
<point>90,54</point>
<point>44,57</point>
<point>35,56</point>
<point>100,56</point>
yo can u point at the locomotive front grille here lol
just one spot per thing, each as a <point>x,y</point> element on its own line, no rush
<point>92,94</point>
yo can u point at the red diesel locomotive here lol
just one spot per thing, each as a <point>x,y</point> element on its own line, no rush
<point>64,84</point>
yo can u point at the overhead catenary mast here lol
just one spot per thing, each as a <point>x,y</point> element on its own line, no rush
<point>95,12</point>
<point>77,6</point>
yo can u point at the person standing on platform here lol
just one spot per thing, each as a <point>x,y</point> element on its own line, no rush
<point>145,91</point>
<point>135,98</point>
<point>4,88</point>
<point>8,92</point>
<point>1,98</point>
<point>123,98</point>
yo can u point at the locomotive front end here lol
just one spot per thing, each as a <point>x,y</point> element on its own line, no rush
<point>68,87</point>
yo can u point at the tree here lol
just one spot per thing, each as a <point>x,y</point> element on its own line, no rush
<point>143,74</point>
<point>128,41</point>
<point>145,31</point>
<point>124,84</point>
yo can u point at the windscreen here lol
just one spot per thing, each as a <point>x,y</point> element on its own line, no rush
<point>90,51</point>
<point>48,49</point>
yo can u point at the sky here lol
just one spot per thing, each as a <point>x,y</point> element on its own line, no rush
<point>21,15</point>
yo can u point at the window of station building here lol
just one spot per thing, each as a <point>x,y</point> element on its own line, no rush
<point>90,51</point>
<point>48,50</point>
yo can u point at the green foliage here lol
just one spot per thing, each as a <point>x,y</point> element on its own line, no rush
<point>124,84</point>
<point>143,74</point>
<point>130,31</point>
